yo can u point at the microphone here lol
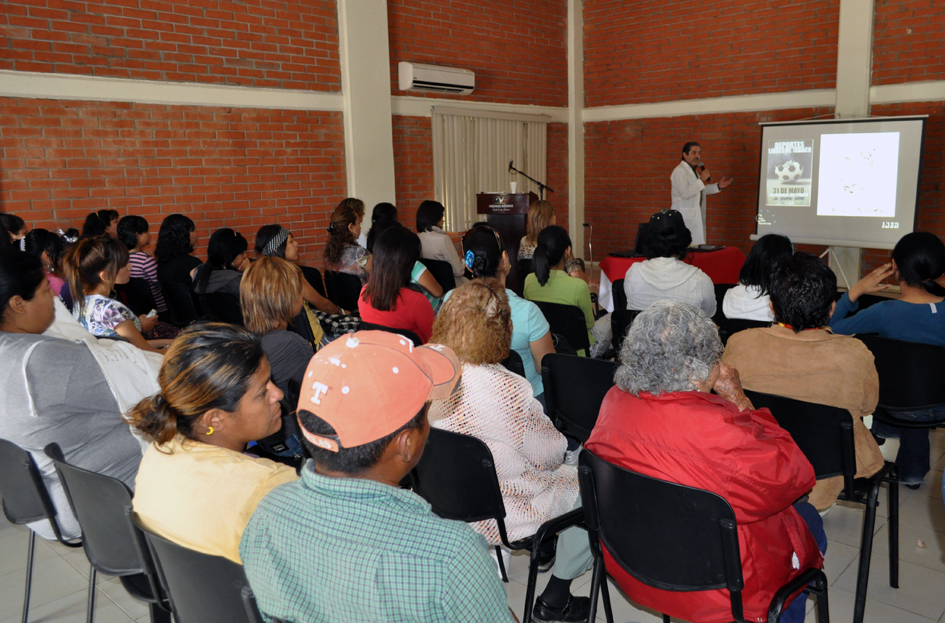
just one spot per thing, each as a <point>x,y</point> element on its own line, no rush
<point>510,165</point>
<point>702,166</point>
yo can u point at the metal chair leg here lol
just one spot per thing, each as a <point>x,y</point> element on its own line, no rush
<point>866,552</point>
<point>160,615</point>
<point>892,484</point>
<point>498,555</point>
<point>666,619</point>
<point>822,604</point>
<point>90,614</point>
<point>31,548</point>
<point>605,593</point>
<point>596,576</point>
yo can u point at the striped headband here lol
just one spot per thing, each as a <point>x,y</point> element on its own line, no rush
<point>276,241</point>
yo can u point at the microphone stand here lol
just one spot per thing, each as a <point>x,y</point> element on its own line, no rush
<point>541,187</point>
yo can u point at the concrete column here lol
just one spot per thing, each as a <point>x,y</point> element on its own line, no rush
<point>576,126</point>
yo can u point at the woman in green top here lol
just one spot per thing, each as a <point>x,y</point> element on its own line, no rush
<point>551,284</point>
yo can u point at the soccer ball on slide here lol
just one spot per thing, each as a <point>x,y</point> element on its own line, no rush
<point>789,172</point>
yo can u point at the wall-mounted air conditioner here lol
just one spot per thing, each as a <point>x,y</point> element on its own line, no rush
<point>417,77</point>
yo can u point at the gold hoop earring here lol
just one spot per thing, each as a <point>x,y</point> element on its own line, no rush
<point>209,430</point>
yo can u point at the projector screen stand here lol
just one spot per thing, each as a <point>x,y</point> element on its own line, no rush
<point>838,257</point>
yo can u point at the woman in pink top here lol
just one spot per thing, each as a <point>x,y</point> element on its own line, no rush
<point>48,247</point>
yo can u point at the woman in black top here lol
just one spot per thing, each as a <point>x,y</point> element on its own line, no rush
<point>176,241</point>
<point>226,261</point>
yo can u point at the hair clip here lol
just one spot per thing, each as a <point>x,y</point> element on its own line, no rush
<point>470,259</point>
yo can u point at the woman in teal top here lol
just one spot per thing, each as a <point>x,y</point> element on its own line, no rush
<point>550,284</point>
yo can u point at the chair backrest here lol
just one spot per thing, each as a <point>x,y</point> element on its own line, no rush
<point>442,272</point>
<point>525,266</point>
<point>25,498</point>
<point>619,295</point>
<point>202,588</point>
<point>410,335</point>
<point>456,475</point>
<point>314,278</point>
<point>720,290</point>
<point>730,326</point>
<point>666,535</point>
<point>620,321</point>
<point>180,303</point>
<point>911,375</point>
<point>567,320</point>
<point>823,433</point>
<point>574,390</point>
<point>223,306</point>
<point>343,289</point>
<point>300,325</point>
<point>138,295</point>
<point>642,240</point>
<point>514,363</point>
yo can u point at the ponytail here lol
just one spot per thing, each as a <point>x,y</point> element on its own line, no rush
<point>553,241</point>
<point>540,263</point>
<point>934,288</point>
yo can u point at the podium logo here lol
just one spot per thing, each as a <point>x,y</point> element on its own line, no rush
<point>500,198</point>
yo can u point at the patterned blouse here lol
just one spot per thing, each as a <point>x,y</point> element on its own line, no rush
<point>100,315</point>
<point>353,260</point>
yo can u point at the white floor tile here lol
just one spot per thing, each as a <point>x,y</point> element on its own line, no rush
<point>920,589</point>
<point>72,609</point>
<point>841,610</point>
<point>917,545</point>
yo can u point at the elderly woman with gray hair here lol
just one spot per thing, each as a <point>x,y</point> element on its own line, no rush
<point>662,421</point>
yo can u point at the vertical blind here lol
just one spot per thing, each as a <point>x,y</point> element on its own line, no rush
<point>471,154</point>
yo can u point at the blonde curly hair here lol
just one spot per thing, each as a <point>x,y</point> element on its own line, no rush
<point>476,322</point>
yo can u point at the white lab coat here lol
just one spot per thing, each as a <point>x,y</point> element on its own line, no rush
<point>689,199</point>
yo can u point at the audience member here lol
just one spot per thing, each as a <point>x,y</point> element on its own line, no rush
<point>800,358</point>
<point>430,287</point>
<point>48,247</point>
<point>92,267</point>
<point>363,412</point>
<point>15,226</point>
<point>749,299</point>
<point>436,244</point>
<point>226,261</point>
<point>176,241</point>
<point>54,390</point>
<point>497,406</point>
<point>664,275</point>
<point>6,240</point>
<point>101,223</point>
<point>541,214</point>
<point>342,254</point>
<point>386,299</point>
<point>195,485</point>
<point>485,257</point>
<point>549,283</point>
<point>661,421</point>
<point>133,233</point>
<point>382,213</point>
<point>918,316</point>
<point>271,297</point>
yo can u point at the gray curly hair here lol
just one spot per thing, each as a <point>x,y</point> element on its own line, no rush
<point>669,348</point>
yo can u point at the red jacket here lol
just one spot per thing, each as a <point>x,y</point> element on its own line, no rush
<point>704,441</point>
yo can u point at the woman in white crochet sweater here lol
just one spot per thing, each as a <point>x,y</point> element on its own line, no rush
<point>497,406</point>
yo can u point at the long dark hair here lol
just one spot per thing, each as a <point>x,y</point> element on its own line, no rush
<point>40,241</point>
<point>128,229</point>
<point>86,259</point>
<point>174,238</point>
<point>12,224</point>
<point>482,251</point>
<point>553,241</point>
<point>429,214</point>
<point>758,266</point>
<point>382,213</point>
<point>376,230</point>
<point>396,251</point>
<point>920,259</point>
<point>264,235</point>
<point>345,214</point>
<point>21,274</point>
<point>97,222</point>
<point>225,246</point>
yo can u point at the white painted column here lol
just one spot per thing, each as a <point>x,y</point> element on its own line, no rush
<point>365,84</point>
<point>576,126</point>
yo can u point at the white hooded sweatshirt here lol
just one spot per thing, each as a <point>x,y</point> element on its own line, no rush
<point>747,303</point>
<point>667,278</point>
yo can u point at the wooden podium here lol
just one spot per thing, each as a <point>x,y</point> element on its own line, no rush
<point>508,214</point>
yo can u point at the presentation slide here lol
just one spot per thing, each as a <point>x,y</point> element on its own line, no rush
<point>851,182</point>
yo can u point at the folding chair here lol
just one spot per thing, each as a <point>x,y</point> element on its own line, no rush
<point>137,294</point>
<point>314,278</point>
<point>442,272</point>
<point>344,289</point>
<point>730,326</point>
<point>618,295</point>
<point>620,321</point>
<point>514,363</point>
<point>574,390</point>
<point>222,306</point>
<point>569,322</point>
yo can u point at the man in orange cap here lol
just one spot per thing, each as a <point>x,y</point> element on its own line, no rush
<point>345,542</point>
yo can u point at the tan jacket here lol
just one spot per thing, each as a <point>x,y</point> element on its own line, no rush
<point>814,366</point>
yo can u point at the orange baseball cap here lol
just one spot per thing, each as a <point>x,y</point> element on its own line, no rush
<point>368,384</point>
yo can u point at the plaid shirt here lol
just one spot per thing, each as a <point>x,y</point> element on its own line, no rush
<point>349,549</point>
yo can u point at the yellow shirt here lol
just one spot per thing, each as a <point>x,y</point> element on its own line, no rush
<point>201,496</point>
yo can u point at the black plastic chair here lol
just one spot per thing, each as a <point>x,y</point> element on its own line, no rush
<point>181,305</point>
<point>525,267</point>
<point>300,326</point>
<point>720,290</point>
<point>620,321</point>
<point>137,295</point>
<point>112,542</point>
<point>514,363</point>
<point>410,335</point>
<point>457,476</point>
<point>730,326</point>
<point>574,390</point>
<point>343,289</point>
<point>314,278</point>
<point>442,272</point>
<point>825,436</point>
<point>672,537</point>
<point>25,500</point>
<point>201,588</point>
<point>222,306</point>
<point>618,295</point>
<point>567,321</point>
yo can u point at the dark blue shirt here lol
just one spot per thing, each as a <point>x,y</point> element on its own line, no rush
<point>910,322</point>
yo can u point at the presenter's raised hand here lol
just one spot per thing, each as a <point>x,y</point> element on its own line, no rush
<point>725,181</point>
<point>871,282</point>
<point>704,174</point>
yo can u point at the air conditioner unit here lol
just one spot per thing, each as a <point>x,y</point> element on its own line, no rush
<point>417,77</point>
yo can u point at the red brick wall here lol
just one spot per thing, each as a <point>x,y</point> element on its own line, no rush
<point>557,166</point>
<point>908,40</point>
<point>518,49</point>
<point>413,166</point>
<point>654,51</point>
<point>223,167</point>
<point>251,42</point>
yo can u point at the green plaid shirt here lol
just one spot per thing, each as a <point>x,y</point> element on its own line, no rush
<point>349,550</point>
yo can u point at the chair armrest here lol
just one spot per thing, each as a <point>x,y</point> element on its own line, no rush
<point>805,578</point>
<point>554,526</point>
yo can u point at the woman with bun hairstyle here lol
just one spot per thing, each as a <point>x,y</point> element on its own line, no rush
<point>195,485</point>
<point>918,261</point>
<point>48,247</point>
<point>551,284</point>
<point>101,223</point>
<point>342,252</point>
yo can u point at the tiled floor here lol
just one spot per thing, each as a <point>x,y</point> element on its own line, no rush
<point>61,575</point>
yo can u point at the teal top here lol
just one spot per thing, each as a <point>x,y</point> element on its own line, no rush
<point>564,289</point>
<point>418,269</point>
<point>326,549</point>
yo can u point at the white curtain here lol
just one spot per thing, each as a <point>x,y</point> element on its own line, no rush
<point>471,154</point>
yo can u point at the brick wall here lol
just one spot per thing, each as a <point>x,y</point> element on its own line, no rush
<point>413,165</point>
<point>557,166</point>
<point>518,50</point>
<point>251,42</point>
<point>908,40</point>
<point>653,51</point>
<point>223,167</point>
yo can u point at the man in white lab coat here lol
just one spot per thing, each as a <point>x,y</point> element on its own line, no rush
<point>690,181</point>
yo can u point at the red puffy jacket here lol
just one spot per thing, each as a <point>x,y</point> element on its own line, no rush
<point>704,441</point>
